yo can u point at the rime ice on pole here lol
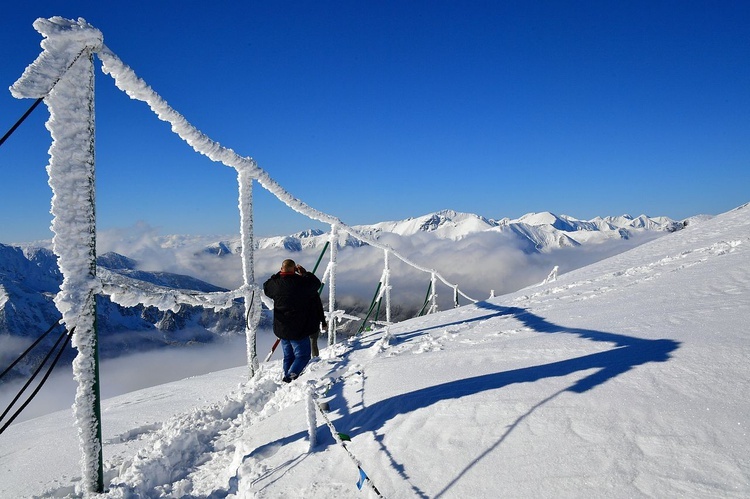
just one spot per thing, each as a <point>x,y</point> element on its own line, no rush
<point>64,75</point>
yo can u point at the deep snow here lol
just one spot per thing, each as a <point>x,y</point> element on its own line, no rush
<point>626,378</point>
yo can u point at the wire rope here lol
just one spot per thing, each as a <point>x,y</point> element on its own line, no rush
<point>24,354</point>
<point>41,383</point>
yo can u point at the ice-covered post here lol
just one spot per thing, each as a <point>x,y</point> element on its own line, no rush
<point>251,291</point>
<point>312,420</point>
<point>332,285</point>
<point>433,296</point>
<point>64,75</point>
<point>387,284</point>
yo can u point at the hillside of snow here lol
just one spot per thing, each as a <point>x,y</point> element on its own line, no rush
<point>625,378</point>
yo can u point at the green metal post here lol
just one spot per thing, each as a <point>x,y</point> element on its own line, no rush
<point>426,300</point>
<point>372,306</point>
<point>321,256</point>
<point>91,306</point>
<point>97,404</point>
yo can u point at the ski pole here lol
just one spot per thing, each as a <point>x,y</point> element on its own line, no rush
<point>273,349</point>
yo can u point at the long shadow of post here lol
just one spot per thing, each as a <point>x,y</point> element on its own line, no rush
<point>627,353</point>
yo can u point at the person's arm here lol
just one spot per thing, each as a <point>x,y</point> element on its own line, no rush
<point>269,286</point>
<point>311,279</point>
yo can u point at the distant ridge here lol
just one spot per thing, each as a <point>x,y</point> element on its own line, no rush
<point>539,232</point>
<point>30,278</point>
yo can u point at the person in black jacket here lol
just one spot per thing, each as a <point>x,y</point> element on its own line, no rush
<point>296,314</point>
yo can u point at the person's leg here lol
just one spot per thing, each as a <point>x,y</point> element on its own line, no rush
<point>288,350</point>
<point>301,357</point>
<point>314,352</point>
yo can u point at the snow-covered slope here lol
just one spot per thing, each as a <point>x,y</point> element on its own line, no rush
<point>626,378</point>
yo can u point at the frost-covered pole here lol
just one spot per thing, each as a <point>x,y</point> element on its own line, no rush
<point>312,419</point>
<point>64,75</point>
<point>251,291</point>
<point>332,285</point>
<point>433,296</point>
<point>387,284</point>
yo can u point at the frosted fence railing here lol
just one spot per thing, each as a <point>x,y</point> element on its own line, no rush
<point>65,80</point>
<point>126,80</point>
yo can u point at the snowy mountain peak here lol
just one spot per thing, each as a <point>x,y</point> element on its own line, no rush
<point>453,224</point>
<point>548,218</point>
<point>116,261</point>
<point>447,224</point>
<point>220,248</point>
<point>308,233</point>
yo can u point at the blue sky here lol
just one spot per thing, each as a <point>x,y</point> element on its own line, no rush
<point>374,111</point>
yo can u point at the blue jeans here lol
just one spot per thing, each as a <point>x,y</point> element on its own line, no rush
<point>296,356</point>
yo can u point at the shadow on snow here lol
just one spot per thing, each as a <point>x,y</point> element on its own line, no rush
<point>628,352</point>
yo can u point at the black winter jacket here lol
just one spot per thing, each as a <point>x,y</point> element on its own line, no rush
<point>297,311</point>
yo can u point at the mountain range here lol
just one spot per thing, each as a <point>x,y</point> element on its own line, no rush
<point>29,276</point>
<point>535,232</point>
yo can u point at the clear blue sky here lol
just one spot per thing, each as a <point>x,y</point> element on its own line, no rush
<point>382,110</point>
